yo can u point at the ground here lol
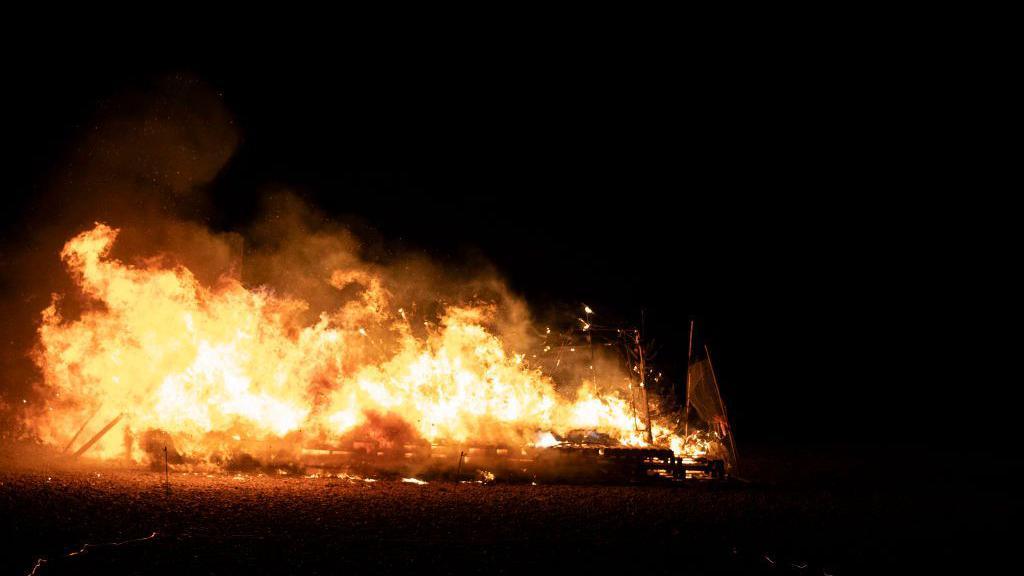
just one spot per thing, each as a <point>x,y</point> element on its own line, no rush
<point>840,515</point>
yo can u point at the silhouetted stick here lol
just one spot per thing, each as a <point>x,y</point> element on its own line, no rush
<point>98,435</point>
<point>77,434</point>
<point>689,360</point>
<point>458,474</point>
<point>165,465</point>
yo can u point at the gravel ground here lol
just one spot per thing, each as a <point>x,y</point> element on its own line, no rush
<point>831,522</point>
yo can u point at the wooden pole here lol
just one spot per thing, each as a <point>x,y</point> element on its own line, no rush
<point>98,435</point>
<point>80,430</point>
<point>590,344</point>
<point>643,389</point>
<point>689,360</point>
<point>725,411</point>
<point>629,370</point>
<point>165,464</point>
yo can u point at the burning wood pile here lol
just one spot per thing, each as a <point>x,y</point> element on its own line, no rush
<point>145,357</point>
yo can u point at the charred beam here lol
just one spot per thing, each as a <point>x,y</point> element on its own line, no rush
<point>99,435</point>
<point>79,433</point>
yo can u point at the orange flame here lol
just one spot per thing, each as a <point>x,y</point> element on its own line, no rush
<point>214,364</point>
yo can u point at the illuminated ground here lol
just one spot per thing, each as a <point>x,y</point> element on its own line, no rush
<point>840,518</point>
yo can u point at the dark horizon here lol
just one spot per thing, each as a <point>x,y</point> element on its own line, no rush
<point>772,219</point>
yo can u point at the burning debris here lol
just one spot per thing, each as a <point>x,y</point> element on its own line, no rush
<point>227,376</point>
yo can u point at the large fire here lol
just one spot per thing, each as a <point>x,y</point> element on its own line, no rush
<point>212,365</point>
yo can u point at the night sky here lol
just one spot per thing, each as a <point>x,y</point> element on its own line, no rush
<point>793,206</point>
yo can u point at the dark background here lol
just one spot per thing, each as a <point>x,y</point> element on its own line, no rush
<point>817,209</point>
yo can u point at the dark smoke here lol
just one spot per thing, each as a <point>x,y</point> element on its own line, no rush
<point>147,162</point>
<point>143,160</point>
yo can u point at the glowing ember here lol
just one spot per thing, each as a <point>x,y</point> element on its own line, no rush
<point>546,440</point>
<point>207,368</point>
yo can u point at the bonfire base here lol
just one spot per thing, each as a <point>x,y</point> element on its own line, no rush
<point>564,462</point>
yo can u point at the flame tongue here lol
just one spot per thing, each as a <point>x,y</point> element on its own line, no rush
<point>215,365</point>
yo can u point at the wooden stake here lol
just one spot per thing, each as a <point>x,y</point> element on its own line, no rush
<point>77,434</point>
<point>725,411</point>
<point>165,464</point>
<point>689,360</point>
<point>643,389</point>
<point>629,371</point>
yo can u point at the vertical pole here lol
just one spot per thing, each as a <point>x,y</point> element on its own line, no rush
<point>689,360</point>
<point>590,343</point>
<point>629,372</point>
<point>165,465</point>
<point>643,389</point>
<point>725,411</point>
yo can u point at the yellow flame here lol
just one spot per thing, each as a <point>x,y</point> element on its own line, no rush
<point>209,363</point>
